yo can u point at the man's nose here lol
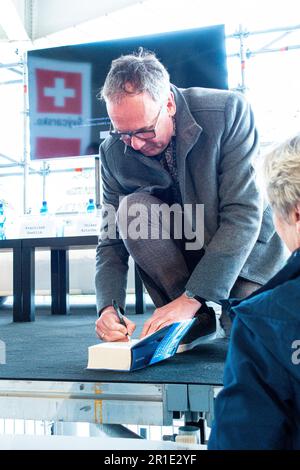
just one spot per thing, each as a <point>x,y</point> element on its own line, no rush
<point>137,143</point>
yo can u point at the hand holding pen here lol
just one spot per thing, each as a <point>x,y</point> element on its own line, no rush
<point>112,325</point>
<point>120,315</point>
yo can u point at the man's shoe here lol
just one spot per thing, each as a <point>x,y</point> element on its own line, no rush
<point>206,328</point>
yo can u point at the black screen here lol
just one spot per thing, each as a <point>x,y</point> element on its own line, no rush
<point>66,118</point>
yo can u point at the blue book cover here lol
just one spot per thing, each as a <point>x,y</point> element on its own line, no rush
<point>159,346</point>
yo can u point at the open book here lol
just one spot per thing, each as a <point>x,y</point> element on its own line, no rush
<point>137,354</point>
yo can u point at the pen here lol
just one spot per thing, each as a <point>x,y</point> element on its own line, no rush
<point>120,315</point>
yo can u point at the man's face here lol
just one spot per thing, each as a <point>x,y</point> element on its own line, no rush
<point>141,113</point>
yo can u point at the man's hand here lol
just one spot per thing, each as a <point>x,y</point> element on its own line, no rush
<point>179,309</point>
<point>109,328</point>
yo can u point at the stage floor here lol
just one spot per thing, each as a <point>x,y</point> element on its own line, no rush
<point>54,348</point>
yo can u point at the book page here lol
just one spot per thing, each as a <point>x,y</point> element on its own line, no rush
<point>111,355</point>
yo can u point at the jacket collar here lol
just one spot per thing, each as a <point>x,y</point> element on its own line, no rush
<point>187,129</point>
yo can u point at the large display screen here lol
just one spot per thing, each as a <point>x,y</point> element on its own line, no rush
<point>66,118</point>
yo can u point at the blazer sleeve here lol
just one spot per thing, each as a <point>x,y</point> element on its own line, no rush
<point>111,253</point>
<point>240,205</point>
<point>253,409</point>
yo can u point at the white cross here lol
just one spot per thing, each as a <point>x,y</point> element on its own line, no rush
<point>59,92</point>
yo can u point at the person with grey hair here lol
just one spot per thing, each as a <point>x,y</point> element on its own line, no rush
<point>259,406</point>
<point>191,151</point>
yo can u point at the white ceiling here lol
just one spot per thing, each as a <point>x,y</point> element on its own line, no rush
<point>31,24</point>
<point>33,19</point>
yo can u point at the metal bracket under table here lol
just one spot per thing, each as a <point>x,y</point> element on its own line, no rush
<point>111,403</point>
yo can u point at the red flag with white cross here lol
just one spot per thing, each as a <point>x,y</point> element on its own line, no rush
<point>60,105</point>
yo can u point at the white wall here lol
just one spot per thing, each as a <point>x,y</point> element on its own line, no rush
<point>82,273</point>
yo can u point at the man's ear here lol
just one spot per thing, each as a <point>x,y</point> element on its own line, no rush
<point>171,105</point>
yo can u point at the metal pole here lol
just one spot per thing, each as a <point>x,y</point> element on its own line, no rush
<point>34,172</point>
<point>279,49</point>
<point>11,67</point>
<point>264,31</point>
<point>265,51</point>
<point>8,165</point>
<point>11,82</point>
<point>279,38</point>
<point>25,136</point>
<point>242,86</point>
<point>97,182</point>
<point>10,159</point>
<point>45,172</point>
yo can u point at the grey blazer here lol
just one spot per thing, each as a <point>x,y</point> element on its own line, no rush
<point>216,144</point>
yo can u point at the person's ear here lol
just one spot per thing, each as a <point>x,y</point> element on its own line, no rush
<point>297,217</point>
<point>171,105</point>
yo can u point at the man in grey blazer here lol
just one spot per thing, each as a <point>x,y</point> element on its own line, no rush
<point>192,150</point>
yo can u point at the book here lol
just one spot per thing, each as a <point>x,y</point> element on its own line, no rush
<point>136,354</point>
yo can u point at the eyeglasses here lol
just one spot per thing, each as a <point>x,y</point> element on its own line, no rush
<point>141,134</point>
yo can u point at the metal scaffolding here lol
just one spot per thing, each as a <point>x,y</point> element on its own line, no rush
<point>244,54</point>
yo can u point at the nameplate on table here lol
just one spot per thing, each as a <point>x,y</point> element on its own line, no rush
<point>83,225</point>
<point>38,227</point>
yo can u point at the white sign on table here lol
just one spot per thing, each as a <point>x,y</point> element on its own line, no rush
<point>82,225</point>
<point>44,226</point>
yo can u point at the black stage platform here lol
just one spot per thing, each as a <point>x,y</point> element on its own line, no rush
<point>54,348</point>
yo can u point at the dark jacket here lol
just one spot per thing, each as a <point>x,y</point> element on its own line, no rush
<point>216,145</point>
<point>259,406</point>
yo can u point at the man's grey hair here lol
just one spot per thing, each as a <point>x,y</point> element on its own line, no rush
<point>282,175</point>
<point>142,71</point>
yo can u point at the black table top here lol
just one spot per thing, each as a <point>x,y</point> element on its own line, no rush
<point>52,242</point>
<point>61,242</point>
<point>10,243</point>
<point>55,348</point>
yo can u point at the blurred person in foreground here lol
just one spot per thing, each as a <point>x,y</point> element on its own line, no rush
<point>259,406</point>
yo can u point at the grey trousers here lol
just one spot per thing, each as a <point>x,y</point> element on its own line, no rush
<point>163,263</point>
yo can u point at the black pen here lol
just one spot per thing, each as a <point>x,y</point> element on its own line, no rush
<point>120,315</point>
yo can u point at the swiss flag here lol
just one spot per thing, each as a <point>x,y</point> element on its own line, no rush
<point>59,92</point>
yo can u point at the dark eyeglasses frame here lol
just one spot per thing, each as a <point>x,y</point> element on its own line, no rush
<point>151,133</point>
